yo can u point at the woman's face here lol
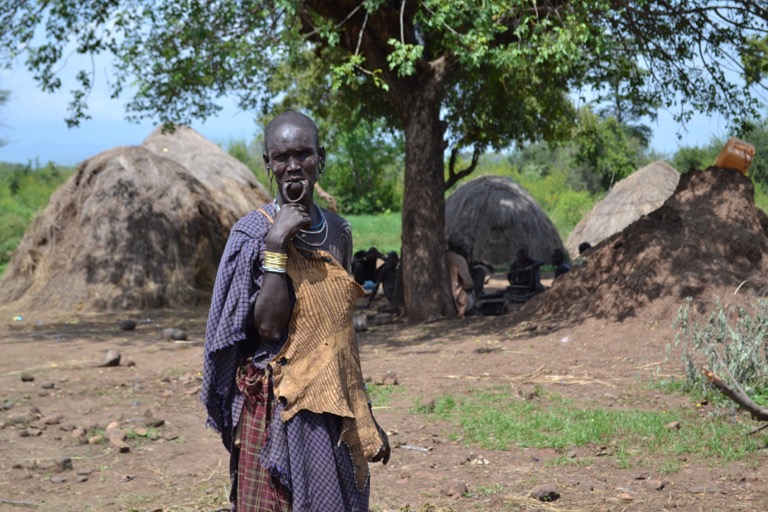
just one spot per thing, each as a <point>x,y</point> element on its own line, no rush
<point>293,156</point>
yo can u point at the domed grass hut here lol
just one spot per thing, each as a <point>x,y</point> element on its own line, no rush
<point>636,195</point>
<point>231,183</point>
<point>129,230</point>
<point>496,215</point>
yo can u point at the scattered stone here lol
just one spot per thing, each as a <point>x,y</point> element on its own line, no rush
<point>53,419</point>
<point>82,478</point>
<point>170,436</point>
<point>116,433</point>
<point>127,325</point>
<point>121,445</point>
<point>89,424</point>
<point>479,461</point>
<point>27,377</point>
<point>653,485</point>
<point>151,421</point>
<point>360,322</point>
<point>625,496</point>
<point>112,425</point>
<point>429,405</point>
<point>382,319</point>
<point>528,392</point>
<point>389,378</point>
<point>18,419</point>
<point>7,405</point>
<point>167,393</point>
<point>545,492</point>
<point>48,385</point>
<point>23,432</point>
<point>97,439</point>
<point>84,472</point>
<point>454,488</point>
<point>673,425</point>
<point>171,333</point>
<point>571,454</point>
<point>58,479</point>
<point>63,463</point>
<point>39,425</point>
<point>67,427</point>
<point>130,363</point>
<point>112,358</point>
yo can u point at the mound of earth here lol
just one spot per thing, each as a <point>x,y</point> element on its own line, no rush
<point>706,241</point>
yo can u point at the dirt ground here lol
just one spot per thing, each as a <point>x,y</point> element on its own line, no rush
<point>596,337</point>
<point>180,465</point>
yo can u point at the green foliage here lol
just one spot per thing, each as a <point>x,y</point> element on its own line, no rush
<point>606,149</point>
<point>695,157</point>
<point>24,190</point>
<point>364,170</point>
<point>730,342</point>
<point>496,419</point>
<point>381,231</point>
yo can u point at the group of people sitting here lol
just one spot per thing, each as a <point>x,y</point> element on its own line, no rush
<point>370,274</point>
<point>373,270</point>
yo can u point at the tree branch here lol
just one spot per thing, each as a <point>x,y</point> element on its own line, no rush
<point>755,411</point>
<point>453,176</point>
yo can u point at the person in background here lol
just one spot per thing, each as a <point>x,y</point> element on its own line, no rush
<point>584,248</point>
<point>558,261</point>
<point>282,380</point>
<point>365,266</point>
<point>387,278</point>
<point>526,271</point>
<point>462,284</point>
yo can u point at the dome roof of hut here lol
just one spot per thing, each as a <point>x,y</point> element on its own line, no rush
<point>230,181</point>
<point>129,230</point>
<point>495,215</point>
<point>638,194</point>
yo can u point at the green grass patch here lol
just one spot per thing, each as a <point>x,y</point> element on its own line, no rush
<point>494,418</point>
<point>381,395</point>
<point>381,231</point>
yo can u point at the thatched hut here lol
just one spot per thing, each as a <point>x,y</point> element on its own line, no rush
<point>639,194</point>
<point>495,215</point>
<point>128,230</point>
<point>230,182</point>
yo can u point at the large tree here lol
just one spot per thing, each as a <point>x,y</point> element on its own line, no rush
<point>450,74</point>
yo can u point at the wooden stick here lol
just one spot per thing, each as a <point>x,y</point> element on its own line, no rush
<point>755,411</point>
<point>16,503</point>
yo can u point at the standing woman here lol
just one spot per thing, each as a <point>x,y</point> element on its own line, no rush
<point>282,381</point>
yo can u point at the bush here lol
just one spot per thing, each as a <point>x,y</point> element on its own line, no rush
<point>731,340</point>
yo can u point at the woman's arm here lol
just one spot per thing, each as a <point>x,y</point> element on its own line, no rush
<point>272,308</point>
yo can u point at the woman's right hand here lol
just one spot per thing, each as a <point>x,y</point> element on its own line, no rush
<point>291,218</point>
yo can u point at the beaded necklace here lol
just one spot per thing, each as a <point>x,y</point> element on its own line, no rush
<point>320,227</point>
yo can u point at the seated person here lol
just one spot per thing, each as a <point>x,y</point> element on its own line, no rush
<point>526,271</point>
<point>558,261</point>
<point>584,247</point>
<point>387,278</point>
<point>462,285</point>
<point>364,265</point>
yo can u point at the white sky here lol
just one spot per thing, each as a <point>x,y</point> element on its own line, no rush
<point>32,125</point>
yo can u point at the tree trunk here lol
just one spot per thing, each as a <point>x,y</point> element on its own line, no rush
<point>426,285</point>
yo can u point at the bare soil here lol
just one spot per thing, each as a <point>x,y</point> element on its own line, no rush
<point>596,338</point>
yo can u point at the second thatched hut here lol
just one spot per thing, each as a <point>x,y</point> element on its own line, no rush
<point>636,195</point>
<point>496,215</point>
